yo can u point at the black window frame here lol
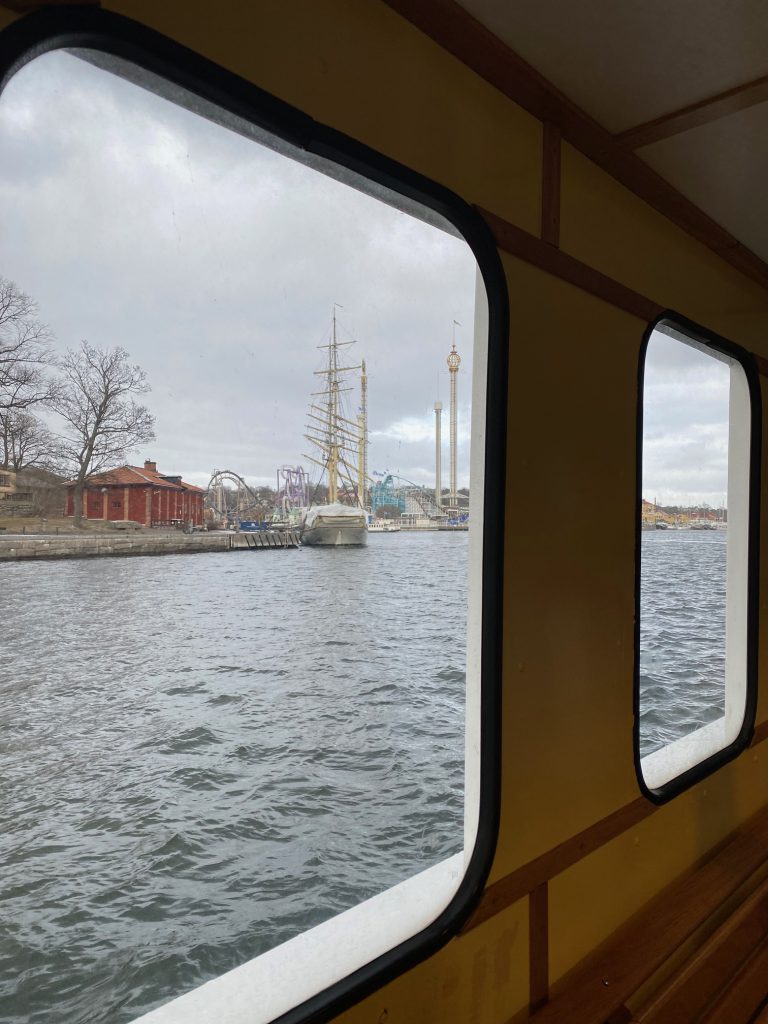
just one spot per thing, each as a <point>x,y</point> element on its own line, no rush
<point>185,71</point>
<point>696,773</point>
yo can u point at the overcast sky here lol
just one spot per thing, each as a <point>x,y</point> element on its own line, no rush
<point>685,424</point>
<point>216,263</point>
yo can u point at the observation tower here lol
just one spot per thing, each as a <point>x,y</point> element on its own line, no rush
<point>438,455</point>
<point>454,361</point>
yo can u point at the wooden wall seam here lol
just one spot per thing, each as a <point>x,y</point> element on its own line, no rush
<point>463,36</point>
<point>523,880</point>
<point>742,97</point>
<point>550,184</point>
<point>538,946</point>
<point>545,256</point>
<point>551,259</point>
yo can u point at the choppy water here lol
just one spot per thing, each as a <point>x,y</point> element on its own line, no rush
<point>204,755</point>
<point>682,633</point>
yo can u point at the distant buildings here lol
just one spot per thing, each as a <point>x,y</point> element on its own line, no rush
<point>140,495</point>
<point>7,481</point>
<point>32,491</point>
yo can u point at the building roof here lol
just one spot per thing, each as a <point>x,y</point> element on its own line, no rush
<point>125,476</point>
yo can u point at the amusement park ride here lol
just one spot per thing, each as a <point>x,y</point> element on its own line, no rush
<point>231,500</point>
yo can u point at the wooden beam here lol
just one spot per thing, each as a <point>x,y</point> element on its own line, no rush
<point>457,32</point>
<point>538,946</point>
<point>746,994</point>
<point>696,114</point>
<point>550,185</point>
<point>761,730</point>
<point>514,240</point>
<point>519,883</point>
<point>687,993</point>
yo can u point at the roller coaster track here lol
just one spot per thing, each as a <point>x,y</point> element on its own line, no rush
<point>245,498</point>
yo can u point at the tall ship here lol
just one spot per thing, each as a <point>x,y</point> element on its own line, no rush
<point>338,448</point>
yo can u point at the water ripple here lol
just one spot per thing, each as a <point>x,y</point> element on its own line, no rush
<point>682,634</point>
<point>211,754</point>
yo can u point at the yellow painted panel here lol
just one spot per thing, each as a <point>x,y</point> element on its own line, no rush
<point>569,594</point>
<point>366,71</point>
<point>481,976</point>
<point>589,901</point>
<point>608,227</point>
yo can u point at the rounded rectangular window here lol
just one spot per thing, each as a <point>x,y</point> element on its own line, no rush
<point>267,761</point>
<point>696,638</point>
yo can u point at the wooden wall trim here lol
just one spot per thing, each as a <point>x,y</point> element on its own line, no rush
<point>525,879</point>
<point>550,184</point>
<point>457,32</point>
<point>552,260</point>
<point>696,114</point>
<point>518,242</point>
<point>610,975</point>
<point>519,883</point>
<point>538,946</point>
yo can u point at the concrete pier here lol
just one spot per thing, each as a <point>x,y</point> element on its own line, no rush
<point>15,547</point>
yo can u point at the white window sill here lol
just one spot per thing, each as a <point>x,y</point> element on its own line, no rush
<point>669,762</point>
<point>286,976</point>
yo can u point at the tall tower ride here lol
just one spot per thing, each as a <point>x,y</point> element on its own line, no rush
<point>454,361</point>
<point>362,430</point>
<point>438,455</point>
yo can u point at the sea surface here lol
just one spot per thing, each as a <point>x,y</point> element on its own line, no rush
<point>204,755</point>
<point>682,633</point>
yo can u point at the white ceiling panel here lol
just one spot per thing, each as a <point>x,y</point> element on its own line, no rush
<point>629,61</point>
<point>723,168</point>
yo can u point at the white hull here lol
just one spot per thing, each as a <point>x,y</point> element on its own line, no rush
<point>334,526</point>
<point>334,536</point>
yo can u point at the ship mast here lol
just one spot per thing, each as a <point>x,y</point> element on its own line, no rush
<point>336,439</point>
<point>362,428</point>
<point>333,416</point>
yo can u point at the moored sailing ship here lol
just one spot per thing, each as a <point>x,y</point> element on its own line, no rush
<point>338,443</point>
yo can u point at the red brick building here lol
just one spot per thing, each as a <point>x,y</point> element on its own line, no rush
<point>139,494</point>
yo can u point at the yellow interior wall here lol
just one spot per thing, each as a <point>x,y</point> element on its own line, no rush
<point>607,226</point>
<point>570,508</point>
<point>569,556</point>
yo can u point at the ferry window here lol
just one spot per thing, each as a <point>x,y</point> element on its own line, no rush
<point>696,592</point>
<point>266,744</point>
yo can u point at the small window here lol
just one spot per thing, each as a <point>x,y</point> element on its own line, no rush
<point>696,586</point>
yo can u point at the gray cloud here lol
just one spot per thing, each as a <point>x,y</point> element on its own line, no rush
<point>215,262</point>
<point>685,428</point>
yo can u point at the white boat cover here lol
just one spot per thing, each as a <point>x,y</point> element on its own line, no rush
<point>334,515</point>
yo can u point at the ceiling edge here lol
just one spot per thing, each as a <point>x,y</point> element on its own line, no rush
<point>462,35</point>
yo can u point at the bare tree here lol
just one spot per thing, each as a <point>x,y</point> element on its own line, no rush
<point>102,420</point>
<point>24,351</point>
<point>25,441</point>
